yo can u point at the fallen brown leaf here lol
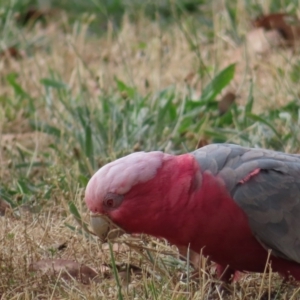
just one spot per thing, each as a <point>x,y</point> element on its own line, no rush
<point>11,52</point>
<point>226,101</point>
<point>67,269</point>
<point>287,25</point>
<point>4,207</point>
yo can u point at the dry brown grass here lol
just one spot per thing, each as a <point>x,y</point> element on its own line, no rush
<point>147,57</point>
<point>150,58</point>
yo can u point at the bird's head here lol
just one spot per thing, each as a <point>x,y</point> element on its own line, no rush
<point>137,192</point>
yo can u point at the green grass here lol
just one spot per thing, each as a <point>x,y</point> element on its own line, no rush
<point>101,79</point>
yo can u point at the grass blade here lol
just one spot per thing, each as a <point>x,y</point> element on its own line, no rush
<point>218,83</point>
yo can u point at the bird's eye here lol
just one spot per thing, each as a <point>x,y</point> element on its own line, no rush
<point>112,200</point>
<point>109,202</point>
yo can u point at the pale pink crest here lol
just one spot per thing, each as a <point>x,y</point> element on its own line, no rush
<point>122,174</point>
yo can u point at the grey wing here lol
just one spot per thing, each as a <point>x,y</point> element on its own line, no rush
<point>270,198</point>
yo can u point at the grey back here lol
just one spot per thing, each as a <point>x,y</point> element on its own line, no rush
<point>270,198</point>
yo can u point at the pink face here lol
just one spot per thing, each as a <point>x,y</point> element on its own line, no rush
<point>109,186</point>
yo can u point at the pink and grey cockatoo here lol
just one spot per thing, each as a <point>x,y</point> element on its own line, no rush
<point>230,202</point>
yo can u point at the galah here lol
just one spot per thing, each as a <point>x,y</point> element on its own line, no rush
<point>238,206</point>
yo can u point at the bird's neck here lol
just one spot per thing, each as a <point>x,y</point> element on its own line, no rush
<point>175,183</point>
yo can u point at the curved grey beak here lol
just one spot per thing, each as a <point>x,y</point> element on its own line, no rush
<point>104,228</point>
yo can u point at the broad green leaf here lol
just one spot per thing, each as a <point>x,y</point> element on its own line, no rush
<point>218,83</point>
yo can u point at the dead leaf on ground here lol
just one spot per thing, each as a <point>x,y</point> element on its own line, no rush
<point>287,25</point>
<point>4,207</point>
<point>11,52</point>
<point>67,269</point>
<point>225,103</point>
